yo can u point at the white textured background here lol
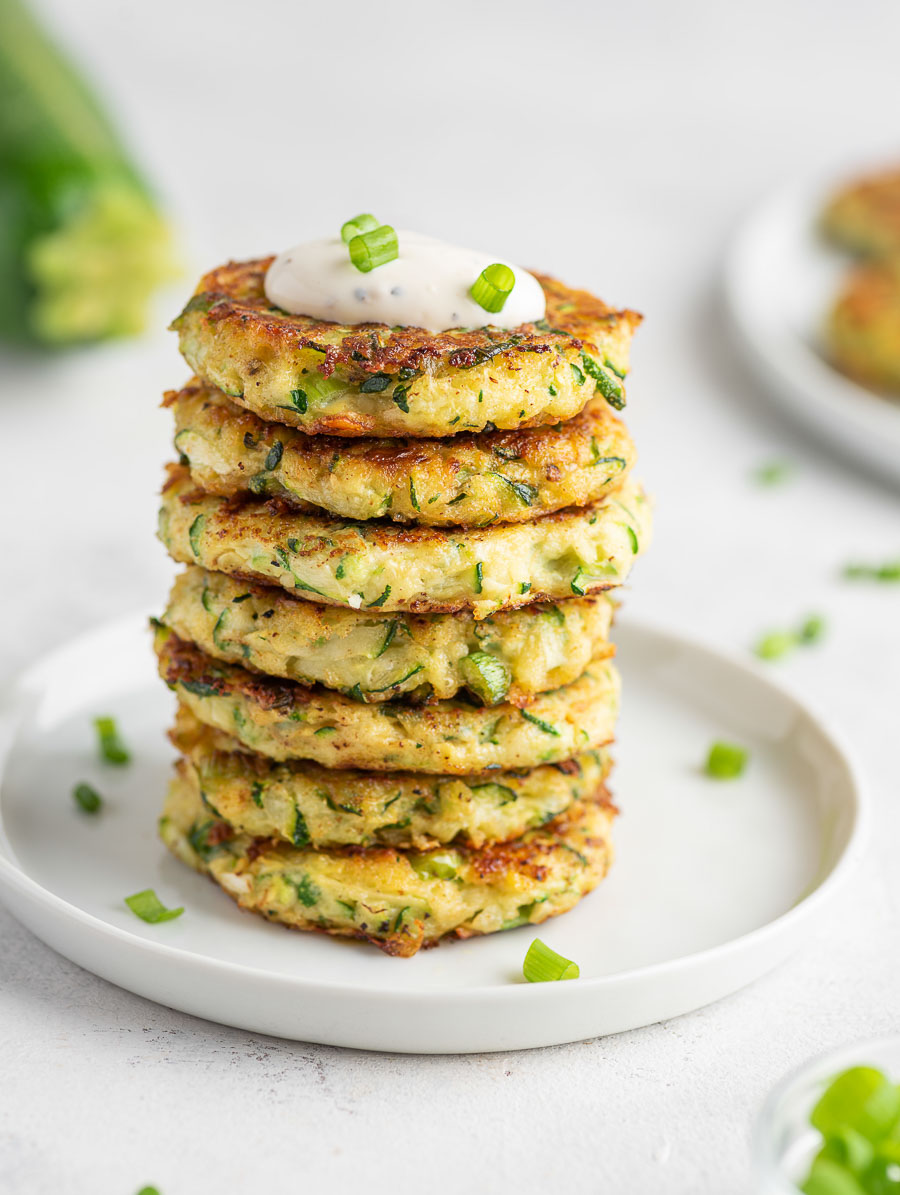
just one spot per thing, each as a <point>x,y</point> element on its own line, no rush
<point>615,145</point>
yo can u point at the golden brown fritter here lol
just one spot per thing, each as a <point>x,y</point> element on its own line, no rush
<point>399,901</point>
<point>376,656</point>
<point>469,480</point>
<point>285,720</point>
<point>864,216</point>
<point>389,566</point>
<point>864,326</point>
<point>372,380</point>
<point>308,805</point>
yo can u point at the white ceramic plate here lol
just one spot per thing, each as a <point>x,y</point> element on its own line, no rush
<point>715,882</point>
<point>780,280</point>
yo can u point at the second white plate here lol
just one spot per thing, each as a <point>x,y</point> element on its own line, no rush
<point>780,280</point>
<point>714,884</point>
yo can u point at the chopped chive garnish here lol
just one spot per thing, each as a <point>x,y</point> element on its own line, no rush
<point>150,908</point>
<point>358,226</point>
<point>374,248</point>
<point>776,644</point>
<point>274,455</point>
<point>889,571</point>
<point>493,286</point>
<point>772,473</point>
<point>543,965</point>
<point>479,577</point>
<point>299,400</point>
<point>112,748</point>
<point>87,798</point>
<point>726,761</point>
<point>812,630</point>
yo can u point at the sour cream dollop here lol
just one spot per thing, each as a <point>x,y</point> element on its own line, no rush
<point>426,286</point>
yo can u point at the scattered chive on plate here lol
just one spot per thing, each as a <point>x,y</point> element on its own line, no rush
<point>543,965</point>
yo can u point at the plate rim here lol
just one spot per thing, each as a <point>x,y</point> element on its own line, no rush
<point>12,875</point>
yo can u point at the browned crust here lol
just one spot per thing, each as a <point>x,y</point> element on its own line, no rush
<point>395,456</point>
<point>523,855</point>
<point>385,534</point>
<point>234,294</point>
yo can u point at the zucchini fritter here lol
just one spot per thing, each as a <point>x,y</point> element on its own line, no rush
<point>372,380</point>
<point>864,326</point>
<point>373,656</point>
<point>285,720</point>
<point>373,565</point>
<point>468,480</point>
<point>397,901</point>
<point>864,216</point>
<point>306,805</point>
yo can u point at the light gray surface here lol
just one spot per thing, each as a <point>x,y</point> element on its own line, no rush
<point>617,148</point>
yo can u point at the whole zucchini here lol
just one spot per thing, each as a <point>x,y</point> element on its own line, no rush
<point>82,241</point>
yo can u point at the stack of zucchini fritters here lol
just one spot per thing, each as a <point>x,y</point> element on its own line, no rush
<point>390,643</point>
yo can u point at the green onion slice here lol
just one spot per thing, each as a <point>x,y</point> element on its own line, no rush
<point>112,749</point>
<point>775,644</point>
<point>486,676</point>
<point>889,571</point>
<point>358,227</point>
<point>150,908</point>
<point>812,630</point>
<point>374,248</point>
<point>772,473</point>
<point>726,761</point>
<point>87,798</point>
<point>493,286</point>
<point>861,1098</point>
<point>438,865</point>
<point>543,964</point>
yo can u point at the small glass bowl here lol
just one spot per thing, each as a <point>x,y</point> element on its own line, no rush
<point>784,1142</point>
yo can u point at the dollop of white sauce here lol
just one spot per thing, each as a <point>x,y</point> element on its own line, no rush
<point>426,286</point>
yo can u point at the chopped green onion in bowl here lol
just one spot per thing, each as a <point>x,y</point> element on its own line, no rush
<point>543,965</point>
<point>150,908</point>
<point>374,248</point>
<point>493,286</point>
<point>87,798</point>
<point>112,749</point>
<point>726,761</point>
<point>858,1117</point>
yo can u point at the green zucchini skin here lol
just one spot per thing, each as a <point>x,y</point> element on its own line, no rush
<point>82,241</point>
